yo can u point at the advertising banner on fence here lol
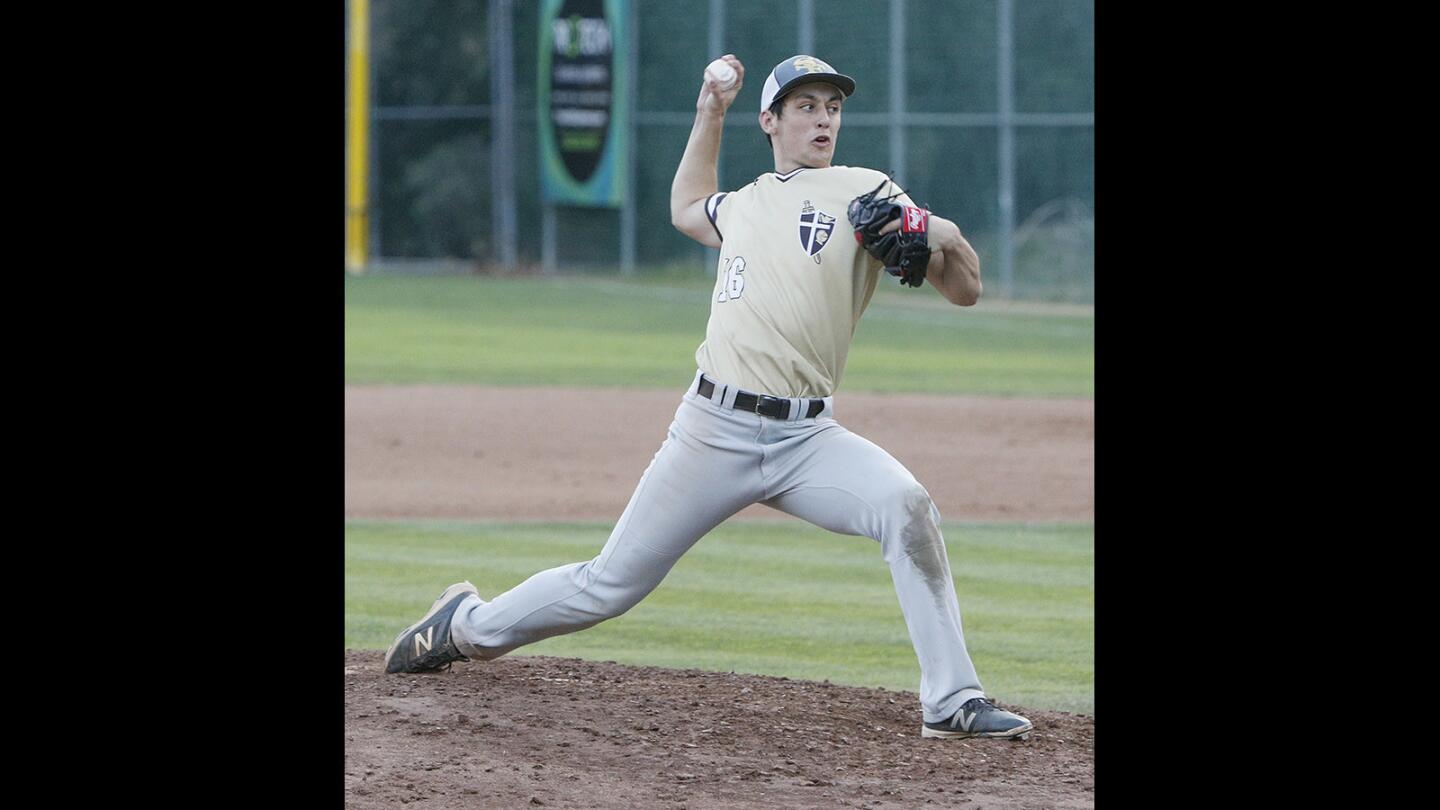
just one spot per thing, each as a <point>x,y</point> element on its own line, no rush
<point>583,101</point>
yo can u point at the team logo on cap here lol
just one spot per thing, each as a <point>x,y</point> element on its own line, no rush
<point>816,227</point>
<point>810,64</point>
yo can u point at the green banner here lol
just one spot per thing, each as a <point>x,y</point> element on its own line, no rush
<point>584,101</point>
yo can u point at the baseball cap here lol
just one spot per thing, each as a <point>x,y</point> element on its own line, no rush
<point>797,70</point>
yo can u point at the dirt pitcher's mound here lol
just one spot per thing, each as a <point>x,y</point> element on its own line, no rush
<point>532,731</point>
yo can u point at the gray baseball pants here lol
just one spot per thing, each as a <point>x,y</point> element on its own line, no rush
<point>716,461</point>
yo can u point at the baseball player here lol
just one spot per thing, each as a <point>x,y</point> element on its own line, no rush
<point>757,421</point>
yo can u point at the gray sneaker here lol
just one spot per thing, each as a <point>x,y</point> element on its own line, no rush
<point>425,646</point>
<point>978,717</point>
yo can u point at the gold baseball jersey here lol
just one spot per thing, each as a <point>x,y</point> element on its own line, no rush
<point>791,283</point>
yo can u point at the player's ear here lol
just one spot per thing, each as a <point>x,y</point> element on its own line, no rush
<point>767,122</point>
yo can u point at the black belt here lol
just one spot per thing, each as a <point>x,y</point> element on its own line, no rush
<point>773,407</point>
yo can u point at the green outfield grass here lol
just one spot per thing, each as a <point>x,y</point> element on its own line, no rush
<point>778,598</point>
<point>604,331</point>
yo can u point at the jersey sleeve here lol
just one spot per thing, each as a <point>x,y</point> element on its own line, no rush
<point>712,211</point>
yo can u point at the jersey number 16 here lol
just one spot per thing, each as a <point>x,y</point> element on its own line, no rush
<point>734,283</point>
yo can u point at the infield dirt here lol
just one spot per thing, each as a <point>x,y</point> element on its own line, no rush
<point>477,452</point>
<point>532,731</point>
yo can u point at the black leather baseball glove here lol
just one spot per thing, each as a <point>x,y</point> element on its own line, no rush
<point>906,252</point>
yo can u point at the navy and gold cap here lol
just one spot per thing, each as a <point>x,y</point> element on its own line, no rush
<point>798,70</point>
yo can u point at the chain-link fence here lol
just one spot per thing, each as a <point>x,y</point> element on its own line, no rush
<point>984,109</point>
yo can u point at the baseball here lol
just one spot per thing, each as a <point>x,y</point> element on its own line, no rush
<point>722,73</point>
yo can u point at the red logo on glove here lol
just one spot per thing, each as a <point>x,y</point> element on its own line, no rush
<point>915,220</point>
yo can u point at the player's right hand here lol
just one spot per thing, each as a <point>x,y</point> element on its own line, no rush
<point>712,99</point>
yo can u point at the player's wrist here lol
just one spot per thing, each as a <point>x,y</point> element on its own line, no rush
<point>944,234</point>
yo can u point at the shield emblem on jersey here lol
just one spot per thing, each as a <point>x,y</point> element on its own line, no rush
<point>815,230</point>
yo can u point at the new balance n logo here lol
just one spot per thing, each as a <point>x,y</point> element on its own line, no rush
<point>429,641</point>
<point>964,721</point>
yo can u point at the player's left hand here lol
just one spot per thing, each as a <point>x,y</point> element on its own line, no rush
<point>895,234</point>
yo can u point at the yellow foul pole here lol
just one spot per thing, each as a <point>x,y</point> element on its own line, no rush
<point>356,215</point>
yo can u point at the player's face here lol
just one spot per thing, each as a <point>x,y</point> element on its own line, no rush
<point>807,131</point>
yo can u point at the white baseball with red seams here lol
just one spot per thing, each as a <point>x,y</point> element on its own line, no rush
<point>722,73</point>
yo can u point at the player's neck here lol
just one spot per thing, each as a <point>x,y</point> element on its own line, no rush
<point>786,166</point>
